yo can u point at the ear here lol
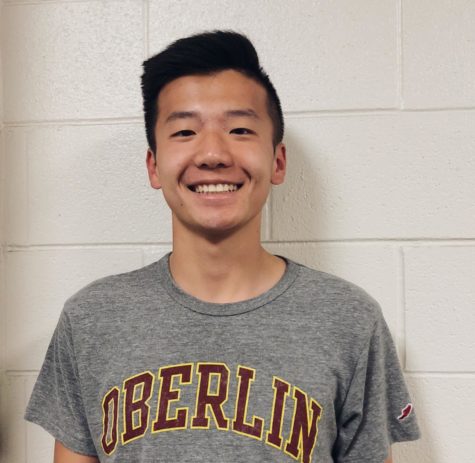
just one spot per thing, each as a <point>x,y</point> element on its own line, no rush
<point>153,170</point>
<point>279,165</point>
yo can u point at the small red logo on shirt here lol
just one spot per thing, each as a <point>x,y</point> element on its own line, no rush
<point>405,412</point>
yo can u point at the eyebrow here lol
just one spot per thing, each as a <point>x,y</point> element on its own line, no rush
<point>242,113</point>
<point>177,115</point>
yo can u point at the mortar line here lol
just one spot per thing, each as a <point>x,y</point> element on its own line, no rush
<point>21,372</point>
<point>362,242</point>
<point>270,219</point>
<point>27,186</point>
<point>400,45</point>
<point>74,122</point>
<point>146,20</point>
<point>375,111</point>
<point>440,374</point>
<point>402,306</point>
<point>26,434</point>
<point>411,241</point>
<point>287,114</point>
<point>41,2</point>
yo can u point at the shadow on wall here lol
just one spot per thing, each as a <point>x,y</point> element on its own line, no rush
<point>304,189</point>
<point>423,450</point>
<point>299,204</point>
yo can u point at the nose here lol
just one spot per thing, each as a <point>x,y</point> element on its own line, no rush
<point>213,152</point>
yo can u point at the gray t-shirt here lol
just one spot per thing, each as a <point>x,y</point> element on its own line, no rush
<point>139,371</point>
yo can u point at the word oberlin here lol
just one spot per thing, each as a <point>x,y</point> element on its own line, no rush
<point>209,406</point>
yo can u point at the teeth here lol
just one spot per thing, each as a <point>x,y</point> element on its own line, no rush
<point>219,188</point>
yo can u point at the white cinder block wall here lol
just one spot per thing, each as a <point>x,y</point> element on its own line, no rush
<point>379,97</point>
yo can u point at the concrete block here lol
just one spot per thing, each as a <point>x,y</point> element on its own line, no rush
<point>440,303</point>
<point>38,283</point>
<point>39,443</point>
<point>372,267</point>
<point>377,176</point>
<point>83,59</point>
<point>445,411</point>
<point>320,55</point>
<point>86,184</point>
<point>154,253</point>
<point>438,53</point>
<point>12,425</point>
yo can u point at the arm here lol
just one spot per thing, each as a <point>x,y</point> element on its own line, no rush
<point>64,455</point>
<point>390,458</point>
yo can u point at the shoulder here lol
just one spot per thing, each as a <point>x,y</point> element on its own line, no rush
<point>111,290</point>
<point>341,300</point>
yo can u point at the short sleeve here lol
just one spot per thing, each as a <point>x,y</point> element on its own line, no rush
<point>377,410</point>
<point>56,403</point>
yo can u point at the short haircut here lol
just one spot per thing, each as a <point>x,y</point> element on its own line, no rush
<point>205,54</point>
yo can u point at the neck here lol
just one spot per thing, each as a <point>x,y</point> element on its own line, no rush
<point>226,269</point>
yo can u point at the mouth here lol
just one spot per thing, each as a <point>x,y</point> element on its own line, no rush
<point>215,188</point>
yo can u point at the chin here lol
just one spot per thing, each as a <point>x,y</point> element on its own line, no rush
<point>218,230</point>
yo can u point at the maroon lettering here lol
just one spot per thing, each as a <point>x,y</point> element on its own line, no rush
<point>205,399</point>
<point>254,429</point>
<point>168,394</point>
<point>138,407</point>
<point>111,401</point>
<point>304,430</point>
<point>281,390</point>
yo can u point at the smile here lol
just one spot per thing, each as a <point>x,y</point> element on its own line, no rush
<point>215,188</point>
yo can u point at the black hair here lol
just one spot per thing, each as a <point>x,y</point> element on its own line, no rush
<point>202,54</point>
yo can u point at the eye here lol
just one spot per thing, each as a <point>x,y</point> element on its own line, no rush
<point>242,131</point>
<point>183,133</point>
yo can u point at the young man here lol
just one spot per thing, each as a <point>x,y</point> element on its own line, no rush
<point>220,351</point>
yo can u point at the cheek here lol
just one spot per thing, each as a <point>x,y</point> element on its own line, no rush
<point>169,169</point>
<point>262,170</point>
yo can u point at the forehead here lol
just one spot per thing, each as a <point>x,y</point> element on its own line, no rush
<point>217,92</point>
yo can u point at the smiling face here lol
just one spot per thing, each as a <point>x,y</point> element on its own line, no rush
<point>215,160</point>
